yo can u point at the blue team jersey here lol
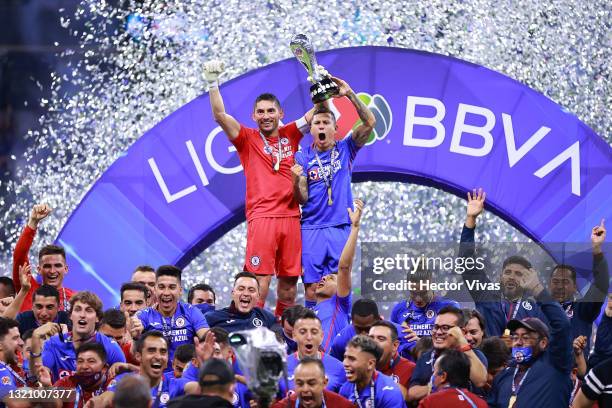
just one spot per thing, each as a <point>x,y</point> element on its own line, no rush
<point>60,356</point>
<point>190,373</point>
<point>316,213</point>
<point>387,393</point>
<point>334,370</point>
<point>232,320</point>
<point>334,315</point>
<point>341,340</point>
<point>8,381</point>
<point>178,329</point>
<point>169,388</point>
<point>420,319</point>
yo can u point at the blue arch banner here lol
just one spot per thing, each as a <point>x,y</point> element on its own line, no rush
<point>441,122</point>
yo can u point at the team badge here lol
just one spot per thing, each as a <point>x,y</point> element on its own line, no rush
<point>527,305</point>
<point>257,322</point>
<point>6,380</point>
<point>570,313</point>
<point>284,141</point>
<point>255,260</point>
<point>334,154</point>
<point>267,149</point>
<point>395,378</point>
<point>165,397</point>
<point>430,314</point>
<point>235,399</point>
<point>369,403</point>
<point>180,322</point>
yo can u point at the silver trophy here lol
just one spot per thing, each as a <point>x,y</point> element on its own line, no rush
<point>323,88</point>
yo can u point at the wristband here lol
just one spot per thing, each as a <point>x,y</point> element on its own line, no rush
<point>464,348</point>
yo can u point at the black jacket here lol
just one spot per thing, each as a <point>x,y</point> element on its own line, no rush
<point>199,401</point>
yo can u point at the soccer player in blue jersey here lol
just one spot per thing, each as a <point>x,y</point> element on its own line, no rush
<point>10,341</point>
<point>59,351</point>
<point>308,334</point>
<point>152,351</point>
<point>243,312</point>
<point>334,290</point>
<point>322,185</point>
<point>179,322</point>
<point>367,387</point>
<point>418,313</point>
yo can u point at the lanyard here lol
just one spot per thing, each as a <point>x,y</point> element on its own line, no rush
<point>358,401</point>
<point>513,313</point>
<point>79,391</point>
<point>467,399</point>
<point>17,376</point>
<point>328,182</point>
<point>159,392</point>
<point>515,388</point>
<point>574,391</point>
<point>268,149</point>
<point>65,301</point>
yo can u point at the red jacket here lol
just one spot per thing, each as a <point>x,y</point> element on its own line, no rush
<point>20,257</point>
<point>451,397</point>
<point>331,399</point>
<point>400,369</point>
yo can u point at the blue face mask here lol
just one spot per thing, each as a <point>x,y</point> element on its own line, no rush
<point>522,355</point>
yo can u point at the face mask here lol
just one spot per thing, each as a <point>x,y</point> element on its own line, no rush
<point>88,380</point>
<point>522,355</point>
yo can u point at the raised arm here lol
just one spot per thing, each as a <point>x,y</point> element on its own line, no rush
<point>25,275</point>
<point>362,132</point>
<point>22,248</point>
<point>345,263</point>
<point>300,184</point>
<point>601,274</point>
<point>212,71</point>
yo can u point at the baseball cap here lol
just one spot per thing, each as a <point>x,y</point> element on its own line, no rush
<point>216,372</point>
<point>530,323</point>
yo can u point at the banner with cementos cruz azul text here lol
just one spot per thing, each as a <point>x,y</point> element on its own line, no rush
<point>441,121</point>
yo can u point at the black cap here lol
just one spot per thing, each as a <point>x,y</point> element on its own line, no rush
<point>530,323</point>
<point>216,372</point>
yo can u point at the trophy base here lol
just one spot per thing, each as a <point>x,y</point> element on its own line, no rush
<point>323,90</point>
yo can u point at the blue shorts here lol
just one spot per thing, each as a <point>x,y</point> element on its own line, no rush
<point>321,249</point>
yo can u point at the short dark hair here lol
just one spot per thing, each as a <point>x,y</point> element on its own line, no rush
<point>144,268</point>
<point>201,286</point>
<point>469,314</point>
<point>95,347</point>
<point>456,365</point>
<point>267,97</point>
<point>422,345</point>
<point>365,307</point>
<point>245,274</point>
<point>133,391</point>
<point>46,291</point>
<point>388,325</point>
<point>115,318</point>
<point>168,270</point>
<point>496,352</point>
<point>366,345</point>
<point>134,286</point>
<point>568,267</point>
<point>461,321</point>
<point>8,282</point>
<point>312,360</point>
<point>419,275</point>
<point>307,314</point>
<point>220,369</point>
<point>27,335</point>
<point>221,335</point>
<point>6,325</point>
<point>52,250</point>
<point>322,110</point>
<point>153,333</point>
<point>291,313</point>
<point>517,259</point>
<point>184,353</point>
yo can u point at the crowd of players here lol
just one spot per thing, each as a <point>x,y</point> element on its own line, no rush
<point>530,345</point>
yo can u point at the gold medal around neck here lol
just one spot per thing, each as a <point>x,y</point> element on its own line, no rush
<point>512,401</point>
<point>329,196</point>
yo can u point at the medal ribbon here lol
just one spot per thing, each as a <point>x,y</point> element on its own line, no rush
<point>275,166</point>
<point>331,173</point>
